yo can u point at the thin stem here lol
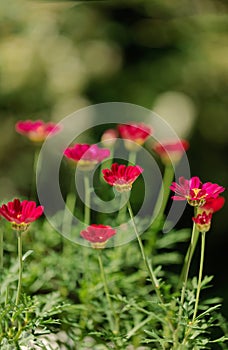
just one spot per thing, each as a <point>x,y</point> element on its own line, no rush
<point>132,158</point>
<point>184,275</point>
<point>121,217</point>
<point>108,163</point>
<point>19,240</point>
<point>185,279</point>
<point>122,212</point>
<point>198,286</point>
<point>1,250</point>
<point>153,278</point>
<point>7,295</point>
<point>149,267</point>
<point>33,185</point>
<point>187,268</point>
<point>138,326</point>
<point>112,317</point>
<point>190,252</point>
<point>70,206</point>
<point>163,195</point>
<point>200,274</point>
<point>87,199</point>
<point>67,217</point>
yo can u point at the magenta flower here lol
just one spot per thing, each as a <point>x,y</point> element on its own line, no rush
<point>121,176</point>
<point>86,156</point>
<point>21,214</point>
<point>213,205</point>
<point>134,134</point>
<point>203,221</point>
<point>37,130</point>
<point>98,235</point>
<point>171,151</point>
<point>196,193</point>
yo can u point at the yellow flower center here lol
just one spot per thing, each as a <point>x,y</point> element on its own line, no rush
<point>196,191</point>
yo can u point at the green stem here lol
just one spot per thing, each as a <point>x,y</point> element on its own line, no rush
<point>163,195</point>
<point>7,295</point>
<point>138,326</point>
<point>67,217</point>
<point>186,273</point>
<point>17,336</point>
<point>132,158</point>
<point>185,279</point>
<point>153,278</point>
<point>108,163</point>
<point>87,199</point>
<point>200,274</point>
<point>121,217</point>
<point>184,276</point>
<point>70,206</point>
<point>1,250</point>
<point>189,255</point>
<point>19,240</point>
<point>33,186</point>
<point>198,286</point>
<point>112,317</point>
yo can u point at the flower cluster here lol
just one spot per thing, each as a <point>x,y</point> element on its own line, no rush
<point>204,196</point>
<point>195,192</point>
<point>204,213</point>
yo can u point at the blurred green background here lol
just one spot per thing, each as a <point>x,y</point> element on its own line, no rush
<point>168,56</point>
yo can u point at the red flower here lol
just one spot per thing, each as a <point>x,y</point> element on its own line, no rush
<point>213,205</point>
<point>21,214</point>
<point>203,221</point>
<point>86,156</point>
<point>98,235</point>
<point>109,137</point>
<point>196,193</point>
<point>121,176</point>
<point>171,151</point>
<point>37,130</point>
<point>136,133</point>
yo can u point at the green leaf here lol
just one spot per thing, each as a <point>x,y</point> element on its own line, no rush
<point>220,340</point>
<point>208,311</point>
<point>168,240</point>
<point>29,252</point>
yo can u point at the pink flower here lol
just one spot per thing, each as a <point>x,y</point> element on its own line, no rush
<point>121,176</point>
<point>37,130</point>
<point>109,137</point>
<point>171,151</point>
<point>196,193</point>
<point>203,221</point>
<point>21,214</point>
<point>86,156</point>
<point>98,235</point>
<point>134,134</point>
<point>213,205</point>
